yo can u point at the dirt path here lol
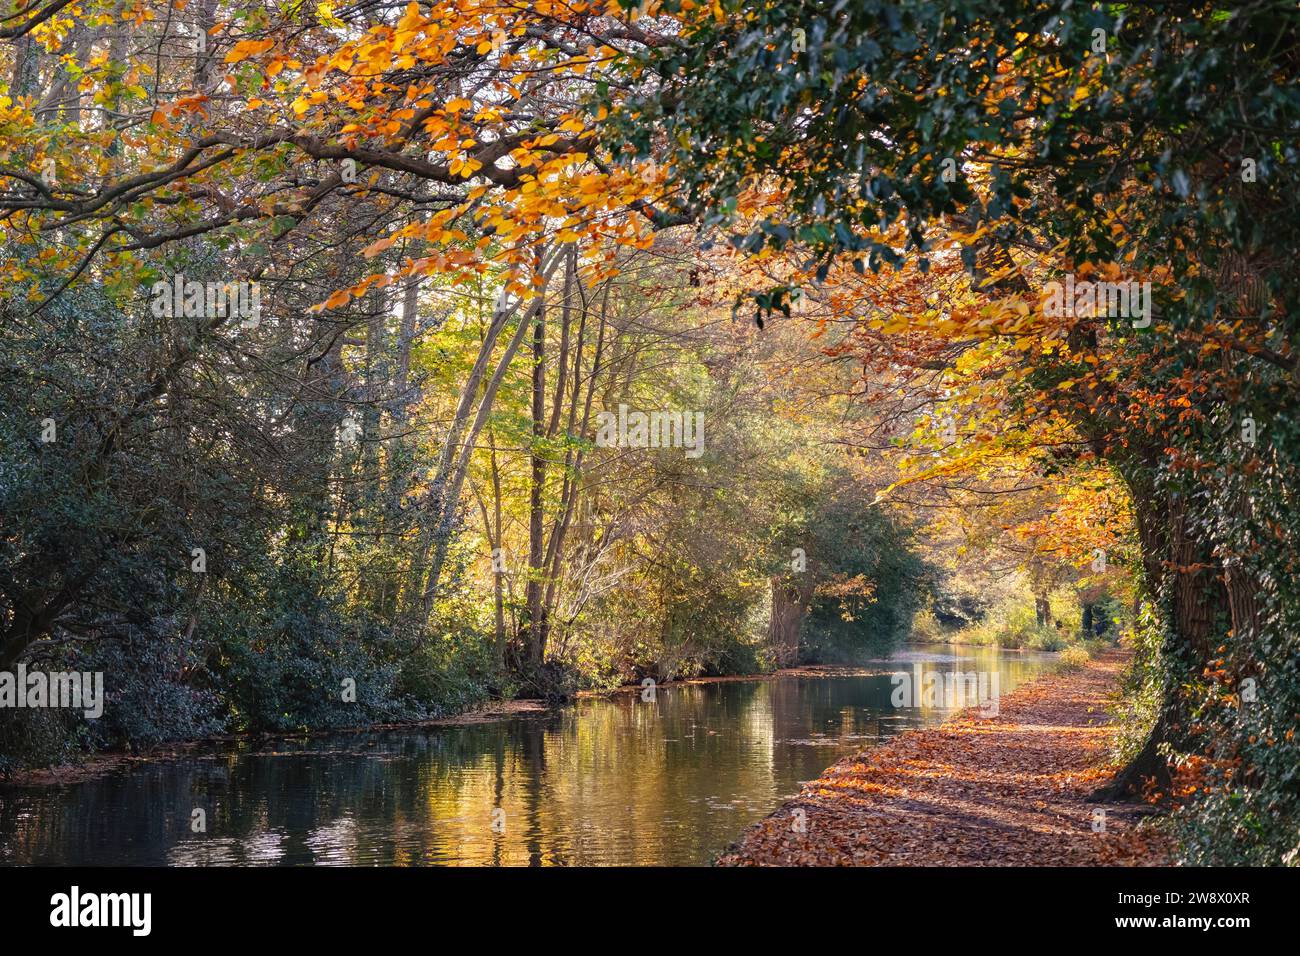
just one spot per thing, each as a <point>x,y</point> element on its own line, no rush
<point>972,792</point>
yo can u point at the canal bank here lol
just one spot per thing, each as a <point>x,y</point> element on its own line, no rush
<point>1005,790</point>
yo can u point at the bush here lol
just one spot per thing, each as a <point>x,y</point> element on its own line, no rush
<point>927,628</point>
<point>1073,657</point>
<point>43,737</point>
<point>288,671</point>
<point>448,672</point>
<point>151,695</point>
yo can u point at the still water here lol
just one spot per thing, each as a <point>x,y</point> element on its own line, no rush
<point>602,782</point>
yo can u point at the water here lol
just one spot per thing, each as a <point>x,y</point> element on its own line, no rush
<point>617,781</point>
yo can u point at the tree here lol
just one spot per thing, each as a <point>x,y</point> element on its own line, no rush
<point>1125,142</point>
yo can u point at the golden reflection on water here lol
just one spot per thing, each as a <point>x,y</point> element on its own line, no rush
<point>606,781</point>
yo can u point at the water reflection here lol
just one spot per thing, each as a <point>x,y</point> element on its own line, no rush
<point>618,781</point>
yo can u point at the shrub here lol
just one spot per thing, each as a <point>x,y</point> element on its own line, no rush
<point>1073,657</point>
<point>926,627</point>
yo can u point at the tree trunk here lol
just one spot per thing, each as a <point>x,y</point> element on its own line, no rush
<point>783,628</point>
<point>442,499</point>
<point>1182,572</point>
<point>536,517</point>
<point>1043,610</point>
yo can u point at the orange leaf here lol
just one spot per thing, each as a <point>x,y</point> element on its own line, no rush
<point>246,48</point>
